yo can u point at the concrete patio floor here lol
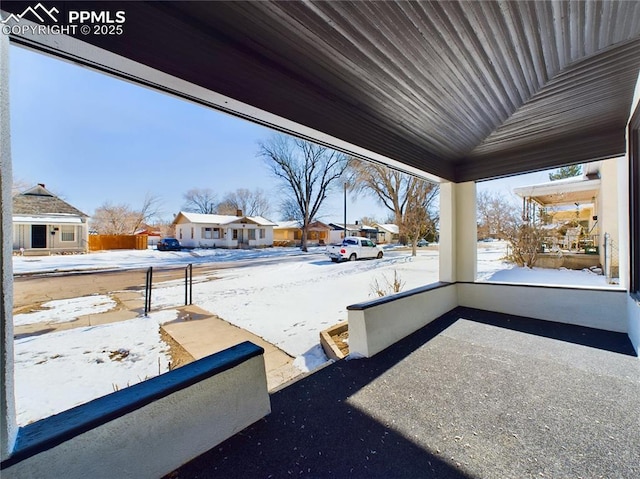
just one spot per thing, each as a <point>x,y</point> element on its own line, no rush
<point>472,395</point>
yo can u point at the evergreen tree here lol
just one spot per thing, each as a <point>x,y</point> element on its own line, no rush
<point>566,172</point>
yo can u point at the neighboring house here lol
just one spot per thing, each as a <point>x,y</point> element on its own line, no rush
<point>289,233</point>
<point>357,229</point>
<point>584,209</point>
<point>153,234</point>
<point>43,223</point>
<point>197,230</point>
<point>387,233</point>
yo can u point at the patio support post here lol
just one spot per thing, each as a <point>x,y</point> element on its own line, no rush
<point>458,232</point>
<point>8,427</point>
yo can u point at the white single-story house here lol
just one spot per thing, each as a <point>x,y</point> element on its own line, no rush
<point>388,233</point>
<point>43,223</point>
<point>198,230</point>
<point>357,229</point>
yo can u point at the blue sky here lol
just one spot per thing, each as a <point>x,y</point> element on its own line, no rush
<point>93,139</point>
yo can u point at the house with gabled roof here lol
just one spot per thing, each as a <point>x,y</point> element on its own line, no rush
<point>198,230</point>
<point>387,233</point>
<point>43,223</point>
<point>289,233</point>
<point>356,229</point>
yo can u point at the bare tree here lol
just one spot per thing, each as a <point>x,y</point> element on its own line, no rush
<point>251,203</point>
<point>110,219</point>
<point>308,171</point>
<point>495,215</point>
<point>419,217</point>
<point>200,200</point>
<point>121,219</point>
<point>411,200</point>
<point>289,210</point>
<point>18,186</point>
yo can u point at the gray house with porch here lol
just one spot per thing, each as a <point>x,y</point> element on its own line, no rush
<point>43,223</point>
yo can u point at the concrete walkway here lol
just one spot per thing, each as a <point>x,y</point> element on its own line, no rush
<point>201,333</point>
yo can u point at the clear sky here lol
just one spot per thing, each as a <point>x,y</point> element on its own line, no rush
<point>92,138</point>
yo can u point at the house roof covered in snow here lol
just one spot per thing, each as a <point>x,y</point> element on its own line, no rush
<point>389,228</point>
<point>287,225</point>
<point>211,219</point>
<point>352,227</point>
<point>38,201</point>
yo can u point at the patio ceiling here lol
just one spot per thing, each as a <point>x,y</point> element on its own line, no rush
<point>461,90</point>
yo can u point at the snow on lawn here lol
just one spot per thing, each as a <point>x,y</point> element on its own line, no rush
<point>550,277</point>
<point>66,310</point>
<point>56,371</point>
<point>287,303</point>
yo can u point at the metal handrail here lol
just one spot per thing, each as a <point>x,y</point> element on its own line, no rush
<point>147,290</point>
<point>188,284</point>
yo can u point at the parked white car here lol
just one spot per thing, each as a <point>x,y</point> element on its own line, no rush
<point>353,248</point>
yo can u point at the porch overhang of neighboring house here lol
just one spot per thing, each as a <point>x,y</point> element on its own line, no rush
<point>561,193</point>
<point>451,91</point>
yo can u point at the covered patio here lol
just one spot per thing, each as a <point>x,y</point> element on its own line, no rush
<point>454,92</point>
<point>474,394</point>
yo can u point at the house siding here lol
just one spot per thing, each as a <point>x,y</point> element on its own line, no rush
<point>22,237</point>
<point>225,233</point>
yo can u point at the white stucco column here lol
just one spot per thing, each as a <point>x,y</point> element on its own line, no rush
<point>458,232</point>
<point>608,217</point>
<point>447,237</point>
<point>8,427</point>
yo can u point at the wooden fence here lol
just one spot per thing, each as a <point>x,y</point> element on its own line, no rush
<point>103,242</point>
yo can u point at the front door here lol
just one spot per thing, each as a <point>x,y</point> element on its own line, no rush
<point>38,236</point>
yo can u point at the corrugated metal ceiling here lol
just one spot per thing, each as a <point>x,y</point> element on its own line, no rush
<point>463,90</point>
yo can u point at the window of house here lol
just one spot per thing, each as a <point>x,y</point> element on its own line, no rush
<point>263,233</point>
<point>235,234</point>
<point>207,233</point>
<point>68,233</point>
<point>252,234</point>
<point>216,233</point>
<point>192,232</point>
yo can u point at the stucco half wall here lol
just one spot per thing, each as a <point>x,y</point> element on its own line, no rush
<point>376,325</point>
<point>153,439</point>
<point>593,308</point>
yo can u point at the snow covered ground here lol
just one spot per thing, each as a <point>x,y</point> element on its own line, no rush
<point>286,303</point>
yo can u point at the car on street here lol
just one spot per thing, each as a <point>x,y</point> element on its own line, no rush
<point>169,244</point>
<point>422,242</point>
<point>353,248</point>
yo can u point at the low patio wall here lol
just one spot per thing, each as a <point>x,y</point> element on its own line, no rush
<point>376,325</point>
<point>567,260</point>
<point>594,308</point>
<point>150,429</point>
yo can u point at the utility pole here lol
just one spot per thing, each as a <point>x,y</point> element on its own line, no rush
<point>345,208</point>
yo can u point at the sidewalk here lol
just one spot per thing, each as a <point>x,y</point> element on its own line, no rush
<point>201,333</point>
